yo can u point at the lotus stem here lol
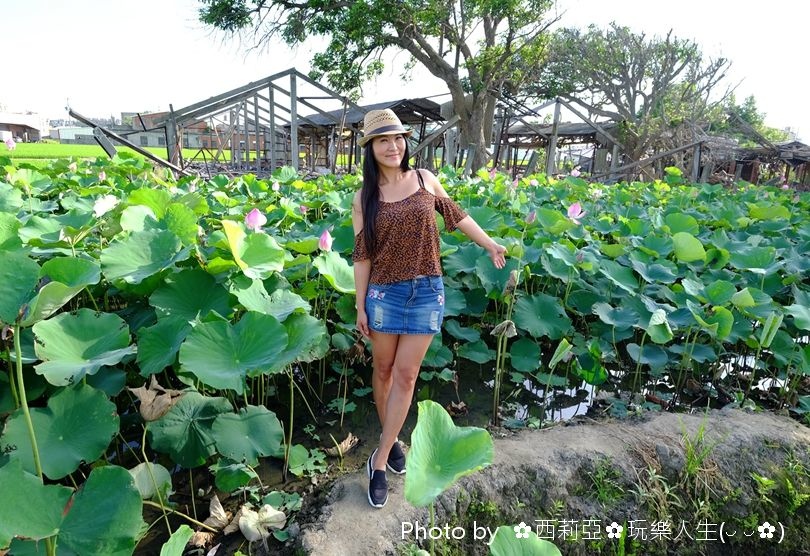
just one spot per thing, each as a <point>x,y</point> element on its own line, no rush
<point>288,447</point>
<point>24,401</point>
<point>191,486</point>
<point>181,514</point>
<point>154,482</point>
<point>11,380</point>
<point>638,363</point>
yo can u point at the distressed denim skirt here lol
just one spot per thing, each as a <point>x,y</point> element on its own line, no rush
<point>414,306</point>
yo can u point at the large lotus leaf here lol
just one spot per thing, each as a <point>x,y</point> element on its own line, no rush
<point>461,333</point>
<point>553,221</point>
<point>698,352</point>
<point>507,543</point>
<point>221,355</point>
<point>30,510</point>
<point>441,453</point>
<point>185,431</point>
<point>759,260</point>
<point>454,302</point>
<point>257,254</point>
<point>542,315</point>
<point>718,325</point>
<point>336,270</point>
<point>591,370</point>
<point>660,245</point>
<point>620,317</point>
<point>800,314</point>
<point>658,329</point>
<point>176,544</point>
<point>76,426</point>
<point>10,199</point>
<point>73,345</point>
<point>653,356</point>
<point>476,351</point>
<point>475,299</point>
<point>246,436</point>
<point>158,344</point>
<point>768,212</point>
<point>141,255</point>
<point>151,479</point>
<point>619,275</point>
<point>462,261</point>
<point>9,230</point>
<point>525,355</point>
<point>138,218</point>
<point>156,199</point>
<point>679,222</point>
<point>664,272</point>
<point>307,340</point>
<point>306,245</point>
<point>182,221</point>
<point>438,354</point>
<point>105,517</point>
<point>488,218</point>
<point>18,278</point>
<point>720,292</point>
<point>688,248</point>
<point>190,294</point>
<point>66,277</point>
<point>494,279</point>
<point>253,296</point>
<point>40,231</point>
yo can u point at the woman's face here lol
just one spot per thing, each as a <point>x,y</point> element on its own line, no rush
<point>389,150</point>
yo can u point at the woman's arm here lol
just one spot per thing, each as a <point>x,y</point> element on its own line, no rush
<point>469,226</point>
<point>362,270</point>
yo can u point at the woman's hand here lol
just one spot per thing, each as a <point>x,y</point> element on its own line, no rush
<point>498,254</point>
<point>362,323</point>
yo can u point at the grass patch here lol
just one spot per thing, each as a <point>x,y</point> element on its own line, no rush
<point>31,152</point>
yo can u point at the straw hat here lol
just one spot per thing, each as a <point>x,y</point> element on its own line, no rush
<point>381,122</point>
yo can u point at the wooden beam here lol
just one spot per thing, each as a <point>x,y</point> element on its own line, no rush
<point>591,123</point>
<point>436,134</point>
<point>649,160</point>
<point>551,148</point>
<point>294,121</point>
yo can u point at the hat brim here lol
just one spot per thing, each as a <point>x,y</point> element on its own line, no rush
<point>366,138</point>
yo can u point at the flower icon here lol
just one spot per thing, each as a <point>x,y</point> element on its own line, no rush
<point>614,530</point>
<point>522,530</point>
<point>766,530</point>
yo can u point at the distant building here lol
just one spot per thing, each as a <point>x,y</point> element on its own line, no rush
<point>26,128</point>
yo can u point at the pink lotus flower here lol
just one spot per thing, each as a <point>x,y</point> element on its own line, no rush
<point>10,144</point>
<point>73,167</point>
<point>493,173</point>
<point>531,217</point>
<point>325,241</point>
<point>276,186</point>
<point>255,220</point>
<point>102,175</point>
<point>575,212</point>
<point>303,209</point>
<point>575,172</point>
<point>785,186</point>
<point>533,182</point>
<point>515,183</point>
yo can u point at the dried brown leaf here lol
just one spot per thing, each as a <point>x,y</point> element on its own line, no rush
<point>218,518</point>
<point>155,400</point>
<point>344,447</point>
<point>201,539</point>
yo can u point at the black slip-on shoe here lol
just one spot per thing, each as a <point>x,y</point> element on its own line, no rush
<point>396,459</point>
<point>377,485</point>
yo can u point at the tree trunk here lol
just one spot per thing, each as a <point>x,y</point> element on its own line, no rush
<point>476,115</point>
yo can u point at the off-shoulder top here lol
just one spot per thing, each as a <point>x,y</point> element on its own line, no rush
<point>407,236</point>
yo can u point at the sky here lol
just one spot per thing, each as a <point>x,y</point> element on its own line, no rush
<point>104,57</point>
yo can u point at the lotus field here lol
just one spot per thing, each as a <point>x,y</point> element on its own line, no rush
<point>152,326</point>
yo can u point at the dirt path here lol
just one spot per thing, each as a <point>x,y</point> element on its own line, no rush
<point>561,473</point>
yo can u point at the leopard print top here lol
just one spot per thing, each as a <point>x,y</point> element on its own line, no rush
<point>407,237</point>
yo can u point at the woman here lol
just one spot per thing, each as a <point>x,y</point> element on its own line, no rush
<point>397,274</point>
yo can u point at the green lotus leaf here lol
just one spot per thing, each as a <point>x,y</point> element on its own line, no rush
<point>246,436</point>
<point>476,301</point>
<point>76,426</point>
<point>493,279</point>
<point>441,453</point>
<point>9,229</point>
<point>105,518</point>
<point>769,329</point>
<point>697,352</point>
<point>68,276</point>
<point>619,275</point>
<point>438,354</point>
<point>562,253</point>
<point>18,278</point>
<point>185,431</point>
<point>156,199</point>
<point>800,314</point>
<point>620,317</point>
<point>336,270</point>
<point>476,351</point>
<point>182,222</point>
<point>138,218</point>
<point>524,355</point>
<point>462,261</point>
<point>220,355</point>
<point>688,248</point>
<point>553,221</point>
<point>151,479</point>
<point>653,356</point>
<point>11,199</point>
<point>759,260</point>
<point>307,340</point>
<point>613,250</point>
<point>40,232</point>
<point>460,332</point>
<point>718,325</point>
<point>563,348</point>
<point>454,302</point>
<point>176,544</point>
<point>257,254</point>
<point>74,345</point>
<point>658,329</point>
<point>30,510</point>
<point>542,315</point>
<point>720,292</point>
<point>590,369</point>
<point>506,543</point>
<point>142,254</point>
<point>189,295</point>
<point>664,272</point>
<point>253,296</point>
<point>768,212</point>
<point>743,299</point>
<point>660,245</point>
<point>305,246</point>
<point>230,475</point>
<point>486,217</point>
<point>679,222</point>
<point>158,344</point>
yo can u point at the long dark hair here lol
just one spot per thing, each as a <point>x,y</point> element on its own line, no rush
<point>370,193</point>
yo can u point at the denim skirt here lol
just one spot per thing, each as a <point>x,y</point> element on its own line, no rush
<point>414,306</point>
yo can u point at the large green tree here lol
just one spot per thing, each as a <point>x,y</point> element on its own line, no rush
<point>662,89</point>
<point>477,47</point>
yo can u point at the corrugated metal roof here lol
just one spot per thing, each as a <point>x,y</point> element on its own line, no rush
<point>410,111</point>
